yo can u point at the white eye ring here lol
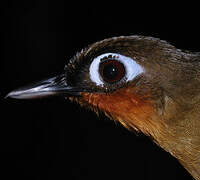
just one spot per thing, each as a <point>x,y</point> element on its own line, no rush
<point>132,68</point>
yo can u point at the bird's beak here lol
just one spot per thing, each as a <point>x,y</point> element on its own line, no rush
<point>49,87</point>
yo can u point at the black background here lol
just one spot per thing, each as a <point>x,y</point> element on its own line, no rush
<point>53,138</point>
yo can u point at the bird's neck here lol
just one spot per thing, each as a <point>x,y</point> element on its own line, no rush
<point>182,140</point>
<point>186,150</point>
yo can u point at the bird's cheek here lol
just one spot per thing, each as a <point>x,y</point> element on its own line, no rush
<point>124,106</point>
<point>117,102</point>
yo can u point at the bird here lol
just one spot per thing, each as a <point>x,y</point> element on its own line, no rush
<point>145,83</point>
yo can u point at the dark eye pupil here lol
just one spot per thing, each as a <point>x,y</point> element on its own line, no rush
<point>112,71</point>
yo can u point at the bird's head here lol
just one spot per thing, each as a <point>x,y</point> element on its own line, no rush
<point>143,82</point>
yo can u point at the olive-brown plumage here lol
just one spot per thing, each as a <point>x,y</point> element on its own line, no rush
<point>145,83</point>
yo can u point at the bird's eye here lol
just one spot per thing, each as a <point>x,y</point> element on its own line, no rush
<point>111,68</point>
<point>111,71</point>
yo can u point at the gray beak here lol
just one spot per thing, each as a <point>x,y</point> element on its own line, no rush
<point>56,86</point>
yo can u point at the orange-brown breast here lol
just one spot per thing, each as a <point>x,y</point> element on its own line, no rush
<point>129,108</point>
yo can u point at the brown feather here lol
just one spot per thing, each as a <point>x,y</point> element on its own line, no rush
<point>164,104</point>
